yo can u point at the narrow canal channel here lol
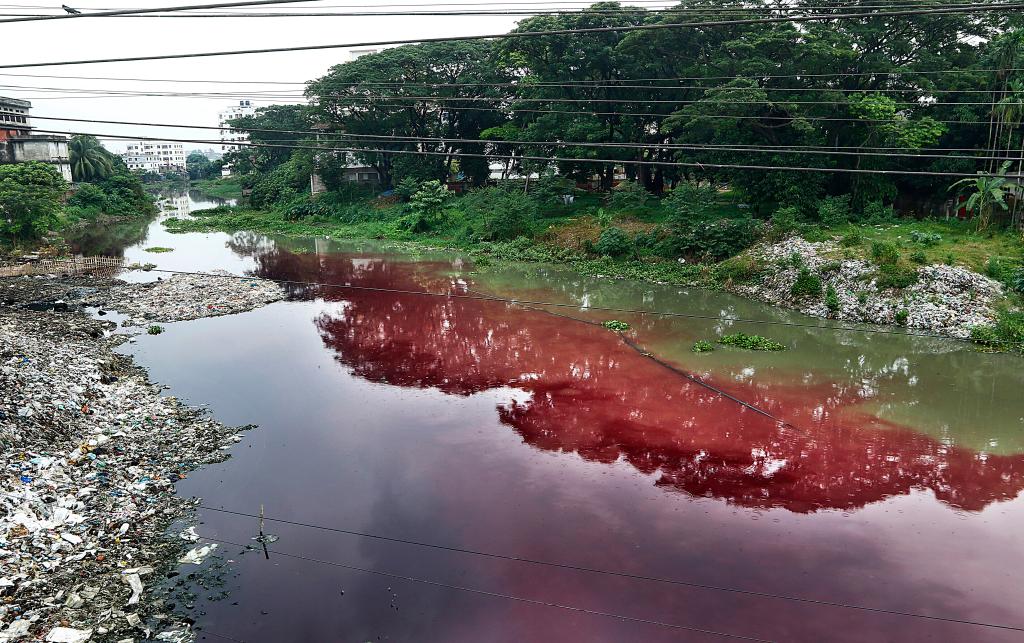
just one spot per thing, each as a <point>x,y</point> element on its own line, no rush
<point>893,481</point>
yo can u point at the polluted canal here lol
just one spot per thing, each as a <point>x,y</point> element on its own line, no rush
<point>855,486</point>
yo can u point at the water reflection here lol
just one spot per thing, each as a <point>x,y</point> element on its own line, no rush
<point>587,393</point>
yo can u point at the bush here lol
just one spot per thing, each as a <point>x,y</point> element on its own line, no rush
<point>925,238</point>
<point>834,210</point>
<point>628,195</point>
<point>901,316</point>
<point>751,342</point>
<point>406,188</point>
<point>1017,280</point>
<point>831,299</point>
<point>279,186</point>
<point>877,212</point>
<point>549,190</point>
<point>785,221</point>
<point>88,197</point>
<point>807,284</point>
<point>1006,334</point>
<point>712,240</point>
<point>852,239</point>
<point>614,242</point>
<point>885,252</point>
<point>616,325</point>
<point>702,346</point>
<point>740,269</point>
<point>895,276</point>
<point>918,257</point>
<point>689,202</point>
<point>499,215</point>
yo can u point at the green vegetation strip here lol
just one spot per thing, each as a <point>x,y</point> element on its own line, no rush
<point>751,342</point>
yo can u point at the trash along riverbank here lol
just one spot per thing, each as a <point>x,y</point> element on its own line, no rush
<point>90,451</point>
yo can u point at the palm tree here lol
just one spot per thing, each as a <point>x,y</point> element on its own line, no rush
<point>989,191</point>
<point>90,161</point>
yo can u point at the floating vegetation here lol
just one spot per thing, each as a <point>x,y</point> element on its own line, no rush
<point>616,325</point>
<point>159,249</point>
<point>751,342</point>
<point>702,346</point>
<point>155,330</point>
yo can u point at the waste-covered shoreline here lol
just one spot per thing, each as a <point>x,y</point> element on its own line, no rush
<point>90,451</point>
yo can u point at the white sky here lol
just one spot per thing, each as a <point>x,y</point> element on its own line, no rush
<point>119,37</point>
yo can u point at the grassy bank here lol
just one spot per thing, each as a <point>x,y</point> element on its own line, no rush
<point>228,187</point>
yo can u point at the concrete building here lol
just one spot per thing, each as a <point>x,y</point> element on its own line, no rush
<point>229,138</point>
<point>154,156</point>
<point>18,144</point>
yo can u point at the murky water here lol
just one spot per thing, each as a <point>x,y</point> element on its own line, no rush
<point>892,480</point>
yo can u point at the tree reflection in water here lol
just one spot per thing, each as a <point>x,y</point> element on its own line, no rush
<point>590,394</point>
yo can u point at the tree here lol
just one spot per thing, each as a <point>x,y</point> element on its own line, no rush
<point>200,167</point>
<point>989,190</point>
<point>275,125</point>
<point>30,199</point>
<point>90,161</point>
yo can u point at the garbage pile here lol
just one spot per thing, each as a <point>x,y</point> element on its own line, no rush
<point>183,297</point>
<point>90,452</point>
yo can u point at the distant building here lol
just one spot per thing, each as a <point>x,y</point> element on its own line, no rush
<point>18,144</point>
<point>353,54</point>
<point>229,138</point>
<point>154,156</point>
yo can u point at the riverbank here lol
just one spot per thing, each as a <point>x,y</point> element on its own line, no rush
<point>91,451</point>
<point>905,285</point>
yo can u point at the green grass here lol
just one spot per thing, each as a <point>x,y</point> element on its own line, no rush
<point>159,249</point>
<point>228,187</point>
<point>702,346</point>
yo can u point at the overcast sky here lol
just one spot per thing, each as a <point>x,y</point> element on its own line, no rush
<point>132,36</point>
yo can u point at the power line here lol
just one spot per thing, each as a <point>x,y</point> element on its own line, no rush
<point>510,597</point>
<point>654,146</point>
<point>618,574</point>
<point>508,35</point>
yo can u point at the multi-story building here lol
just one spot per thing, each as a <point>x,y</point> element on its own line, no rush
<point>18,144</point>
<point>154,156</point>
<point>229,138</point>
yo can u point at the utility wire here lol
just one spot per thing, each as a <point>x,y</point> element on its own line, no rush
<point>520,157</point>
<point>507,35</point>
<point>618,574</point>
<point>509,597</point>
<point>654,146</point>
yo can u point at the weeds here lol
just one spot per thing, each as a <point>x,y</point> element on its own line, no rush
<point>616,325</point>
<point>751,342</point>
<point>702,346</point>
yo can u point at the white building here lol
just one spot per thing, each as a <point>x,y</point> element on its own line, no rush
<point>154,156</point>
<point>229,137</point>
<point>19,145</point>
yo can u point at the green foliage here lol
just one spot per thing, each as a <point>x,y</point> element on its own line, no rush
<point>807,284</point>
<point>407,187</point>
<point>422,169</point>
<point>784,221</point>
<point>88,197</point>
<point>832,299</point>
<point>30,199</point>
<point>877,212</point>
<point>901,316</point>
<point>743,268</point>
<point>628,196</point>
<point>159,249</point>
<point>891,275</point>
<point>155,330</point>
<point>751,342</point>
<point>1017,281</point>
<point>852,239</point>
<point>281,185</point>
<point>987,191</point>
<point>925,238</point>
<point>834,210</point>
<point>199,167</point>
<point>702,346</point>
<point>616,325</point>
<point>1007,334</point>
<point>918,257</point>
<point>499,215</point>
<point>711,240</point>
<point>690,202</point>
<point>549,190</point>
<point>862,298</point>
<point>90,161</point>
<point>614,242</point>
<point>885,252</point>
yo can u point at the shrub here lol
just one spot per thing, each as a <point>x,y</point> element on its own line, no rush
<point>831,299</point>
<point>628,195</point>
<point>549,190</point>
<point>807,284</point>
<point>741,269</point>
<point>796,259</point>
<point>88,197</point>
<point>614,242</point>
<point>784,221</point>
<point>155,330</point>
<point>851,239</point>
<point>711,241</point>
<point>834,210</point>
<point>279,186</point>
<point>918,257</point>
<point>616,325</point>
<point>406,188</point>
<point>877,212</point>
<point>901,316</point>
<point>925,238</point>
<point>702,346</point>
<point>499,215</point>
<point>1017,280</point>
<point>885,252</point>
<point>1006,334</point>
<point>689,202</point>
<point>306,209</point>
<point>751,342</point>
<point>895,276</point>
<point>862,298</point>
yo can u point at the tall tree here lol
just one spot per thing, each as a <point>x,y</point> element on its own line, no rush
<point>90,161</point>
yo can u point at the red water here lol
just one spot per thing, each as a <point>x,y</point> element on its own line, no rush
<point>742,500</point>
